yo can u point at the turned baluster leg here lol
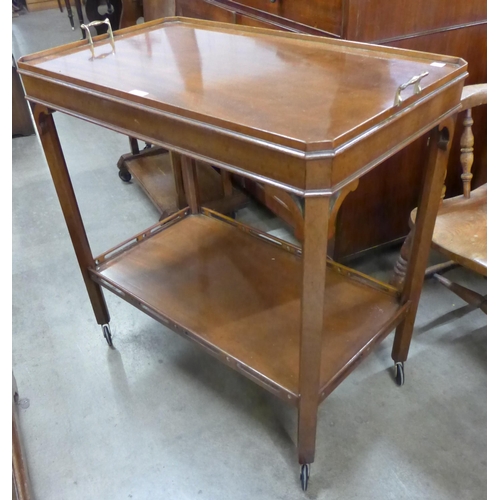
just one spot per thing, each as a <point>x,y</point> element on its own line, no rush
<point>400,268</point>
<point>467,152</point>
<point>430,198</point>
<point>466,160</point>
<point>64,189</point>
<point>312,301</point>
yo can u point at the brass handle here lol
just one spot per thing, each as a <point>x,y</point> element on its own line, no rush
<point>415,81</point>
<point>96,23</point>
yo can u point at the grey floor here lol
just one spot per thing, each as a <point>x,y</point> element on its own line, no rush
<point>158,419</point>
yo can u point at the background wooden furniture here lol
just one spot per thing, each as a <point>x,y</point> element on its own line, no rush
<point>159,173</point>
<point>22,123</point>
<point>288,318</point>
<point>21,483</point>
<point>460,232</point>
<point>454,27</point>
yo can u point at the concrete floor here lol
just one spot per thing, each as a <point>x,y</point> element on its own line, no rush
<point>158,419</point>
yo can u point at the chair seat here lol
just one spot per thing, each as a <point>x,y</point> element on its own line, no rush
<point>460,230</point>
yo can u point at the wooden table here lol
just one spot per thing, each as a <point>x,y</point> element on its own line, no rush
<point>304,114</point>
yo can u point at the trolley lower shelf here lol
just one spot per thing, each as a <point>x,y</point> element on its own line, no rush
<point>237,292</point>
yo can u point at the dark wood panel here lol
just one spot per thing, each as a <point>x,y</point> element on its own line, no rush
<point>370,21</point>
<point>200,9</point>
<point>156,9</point>
<point>252,21</point>
<point>322,14</point>
<point>468,42</point>
<point>471,44</point>
<point>22,123</point>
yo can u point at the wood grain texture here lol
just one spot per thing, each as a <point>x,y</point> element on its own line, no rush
<point>316,93</point>
<point>389,19</point>
<point>242,294</point>
<point>344,115</point>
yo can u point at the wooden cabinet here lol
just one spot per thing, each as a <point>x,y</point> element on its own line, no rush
<point>452,27</point>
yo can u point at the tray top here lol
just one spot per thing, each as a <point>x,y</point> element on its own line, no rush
<point>296,90</point>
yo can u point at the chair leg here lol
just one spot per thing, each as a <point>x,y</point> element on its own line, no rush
<point>400,268</point>
<point>469,296</point>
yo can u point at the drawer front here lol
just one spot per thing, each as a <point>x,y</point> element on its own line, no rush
<point>322,14</point>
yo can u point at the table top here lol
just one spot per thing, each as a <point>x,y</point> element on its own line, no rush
<point>300,91</point>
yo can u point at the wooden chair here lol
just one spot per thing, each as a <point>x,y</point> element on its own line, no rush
<point>460,230</point>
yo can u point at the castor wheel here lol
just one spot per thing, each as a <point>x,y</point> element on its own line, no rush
<point>399,373</point>
<point>107,335</point>
<point>305,470</point>
<point>124,175</point>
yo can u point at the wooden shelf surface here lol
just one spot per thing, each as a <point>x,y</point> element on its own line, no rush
<point>238,295</point>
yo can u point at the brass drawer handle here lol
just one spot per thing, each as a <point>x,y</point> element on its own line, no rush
<point>415,81</point>
<point>96,23</point>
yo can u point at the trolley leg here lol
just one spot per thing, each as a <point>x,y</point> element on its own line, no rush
<point>190,182</point>
<point>64,189</point>
<point>312,302</point>
<point>430,197</point>
<point>176,162</point>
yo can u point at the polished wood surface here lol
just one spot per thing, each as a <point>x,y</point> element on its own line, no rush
<point>185,100</point>
<point>286,317</point>
<point>239,294</point>
<point>309,85</point>
<point>458,28</point>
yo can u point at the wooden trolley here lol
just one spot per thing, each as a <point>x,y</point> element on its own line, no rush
<point>301,113</point>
